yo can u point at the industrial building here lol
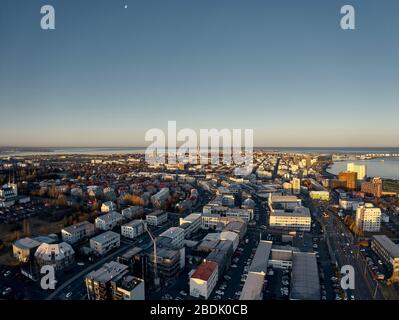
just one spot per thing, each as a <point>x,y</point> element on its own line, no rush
<point>305,283</point>
<point>253,287</point>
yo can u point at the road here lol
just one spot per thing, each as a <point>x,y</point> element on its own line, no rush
<point>345,251</point>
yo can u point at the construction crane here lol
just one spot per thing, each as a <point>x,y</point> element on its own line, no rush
<point>156,279</point>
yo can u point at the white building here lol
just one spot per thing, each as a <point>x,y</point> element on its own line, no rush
<point>204,279</point>
<point>190,223</point>
<point>59,255</point>
<point>360,169</point>
<point>108,221</point>
<point>176,234</point>
<point>133,229</point>
<point>77,232</point>
<point>160,198</point>
<point>349,204</point>
<point>132,212</point>
<point>108,207</point>
<point>368,218</point>
<point>299,219</point>
<point>156,218</point>
<point>105,242</point>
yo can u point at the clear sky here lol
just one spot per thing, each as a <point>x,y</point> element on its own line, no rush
<point>284,68</point>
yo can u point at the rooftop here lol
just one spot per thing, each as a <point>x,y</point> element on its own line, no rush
<point>108,235</point>
<point>205,270</point>
<point>388,244</point>
<point>27,243</point>
<point>261,258</point>
<point>78,226</point>
<point>305,277</point>
<point>108,272</point>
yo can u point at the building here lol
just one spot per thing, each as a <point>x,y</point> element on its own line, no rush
<point>296,186</point>
<point>217,222</point>
<point>156,218</point>
<point>305,283</point>
<point>105,242</point>
<point>77,232</point>
<point>360,169</point>
<point>388,251</point>
<point>60,256</point>
<point>348,179</point>
<point>168,262</point>
<point>280,202</point>
<point>254,284</point>
<point>299,219</point>
<point>133,212</point>
<point>246,214</point>
<point>368,218</point>
<point>133,229</point>
<point>349,204</point>
<point>8,195</point>
<point>237,226</point>
<point>24,249</point>
<point>176,235</point>
<point>108,221</point>
<point>114,282</point>
<point>192,223</point>
<point>320,195</point>
<point>108,207</point>
<point>373,187</point>
<point>203,280</point>
<point>159,199</point>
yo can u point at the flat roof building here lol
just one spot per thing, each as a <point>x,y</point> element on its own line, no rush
<point>305,283</point>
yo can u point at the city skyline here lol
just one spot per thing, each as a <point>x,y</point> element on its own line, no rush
<point>107,74</point>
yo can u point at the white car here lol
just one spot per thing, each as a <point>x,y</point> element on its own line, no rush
<point>68,295</point>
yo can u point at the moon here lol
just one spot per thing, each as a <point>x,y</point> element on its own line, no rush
<point>126,6</point>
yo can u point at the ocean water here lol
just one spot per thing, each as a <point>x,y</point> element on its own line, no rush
<point>387,168</point>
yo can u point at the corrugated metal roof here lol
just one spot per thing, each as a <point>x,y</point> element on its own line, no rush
<point>305,283</point>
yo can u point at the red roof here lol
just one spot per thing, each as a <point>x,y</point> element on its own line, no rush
<point>205,270</point>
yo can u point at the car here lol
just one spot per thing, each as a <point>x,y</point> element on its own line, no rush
<point>68,295</point>
<point>227,278</point>
<point>7,273</point>
<point>323,297</point>
<point>6,291</point>
<point>234,266</point>
<point>178,298</point>
<point>352,297</point>
<point>183,293</point>
<point>218,297</point>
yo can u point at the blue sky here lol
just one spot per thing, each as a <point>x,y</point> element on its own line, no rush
<point>281,67</point>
